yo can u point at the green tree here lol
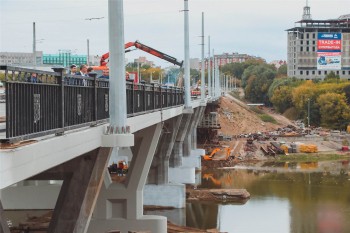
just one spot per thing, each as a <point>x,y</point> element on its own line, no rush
<point>282,70</point>
<point>282,98</point>
<point>335,112</point>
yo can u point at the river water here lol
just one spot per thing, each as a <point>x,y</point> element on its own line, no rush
<point>285,198</point>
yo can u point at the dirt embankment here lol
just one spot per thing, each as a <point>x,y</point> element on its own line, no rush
<point>236,118</point>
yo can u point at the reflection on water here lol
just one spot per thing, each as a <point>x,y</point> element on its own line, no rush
<point>286,198</point>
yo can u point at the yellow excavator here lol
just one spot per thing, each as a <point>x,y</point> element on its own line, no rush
<point>222,151</point>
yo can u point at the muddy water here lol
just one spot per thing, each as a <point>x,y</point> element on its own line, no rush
<point>286,198</point>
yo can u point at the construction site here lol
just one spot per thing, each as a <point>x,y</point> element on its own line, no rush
<point>232,131</point>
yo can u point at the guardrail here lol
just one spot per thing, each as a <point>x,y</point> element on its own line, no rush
<point>54,102</point>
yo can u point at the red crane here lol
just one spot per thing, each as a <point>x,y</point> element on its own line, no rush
<point>147,49</point>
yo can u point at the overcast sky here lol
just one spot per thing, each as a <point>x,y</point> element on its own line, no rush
<point>246,26</point>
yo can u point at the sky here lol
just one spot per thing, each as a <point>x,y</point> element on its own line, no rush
<point>254,27</point>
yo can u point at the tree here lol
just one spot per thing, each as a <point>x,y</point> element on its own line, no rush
<point>335,113</point>
<point>282,98</point>
<point>282,70</point>
<point>233,69</point>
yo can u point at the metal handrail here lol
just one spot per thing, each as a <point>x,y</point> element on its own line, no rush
<point>55,102</point>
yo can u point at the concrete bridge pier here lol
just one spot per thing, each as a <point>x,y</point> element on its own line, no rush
<point>185,172</point>
<point>3,223</point>
<point>192,155</point>
<point>83,178</point>
<point>178,171</point>
<point>120,205</point>
<point>159,191</point>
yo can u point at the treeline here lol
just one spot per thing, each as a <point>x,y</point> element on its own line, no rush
<point>327,103</point>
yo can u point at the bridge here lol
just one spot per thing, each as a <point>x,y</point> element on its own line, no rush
<point>60,132</point>
<point>56,145</point>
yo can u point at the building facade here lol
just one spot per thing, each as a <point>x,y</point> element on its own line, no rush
<point>20,59</point>
<point>64,58</point>
<point>318,47</point>
<point>227,58</point>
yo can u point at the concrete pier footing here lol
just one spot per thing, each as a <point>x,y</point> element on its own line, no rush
<point>120,206</point>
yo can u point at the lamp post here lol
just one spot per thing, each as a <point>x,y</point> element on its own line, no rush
<point>308,113</point>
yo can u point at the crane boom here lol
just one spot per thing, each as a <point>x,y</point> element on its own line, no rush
<point>147,49</point>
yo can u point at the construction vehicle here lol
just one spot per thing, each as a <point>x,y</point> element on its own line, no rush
<point>226,151</point>
<point>138,45</point>
<point>147,49</point>
<point>120,168</point>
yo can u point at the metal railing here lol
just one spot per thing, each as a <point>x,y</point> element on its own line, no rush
<point>54,102</point>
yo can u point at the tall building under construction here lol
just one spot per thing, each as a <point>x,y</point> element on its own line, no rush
<point>318,47</point>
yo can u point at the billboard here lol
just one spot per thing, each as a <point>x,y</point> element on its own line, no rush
<point>329,46</point>
<point>329,61</point>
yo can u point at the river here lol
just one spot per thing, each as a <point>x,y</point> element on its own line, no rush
<point>285,198</point>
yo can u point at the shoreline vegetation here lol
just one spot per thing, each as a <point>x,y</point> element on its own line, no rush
<point>315,157</point>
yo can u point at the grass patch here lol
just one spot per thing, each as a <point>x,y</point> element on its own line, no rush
<point>312,157</point>
<point>236,95</point>
<point>257,110</point>
<point>267,118</point>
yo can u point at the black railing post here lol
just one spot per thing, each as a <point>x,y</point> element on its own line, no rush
<point>95,83</point>
<point>144,98</point>
<point>154,96</point>
<point>60,81</point>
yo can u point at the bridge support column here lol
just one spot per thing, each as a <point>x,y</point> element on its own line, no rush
<point>195,152</point>
<point>83,179</point>
<point>178,172</point>
<point>177,152</point>
<point>120,206</point>
<point>158,191</point>
<point>3,223</point>
<point>192,156</point>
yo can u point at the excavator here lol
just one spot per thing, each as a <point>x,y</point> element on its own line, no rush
<point>223,151</point>
<point>138,45</point>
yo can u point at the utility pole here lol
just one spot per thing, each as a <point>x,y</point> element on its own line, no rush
<point>88,52</point>
<point>203,92</point>
<point>209,68</point>
<point>213,76</point>
<point>187,58</point>
<point>118,113</point>
<point>34,46</point>
<point>308,114</point>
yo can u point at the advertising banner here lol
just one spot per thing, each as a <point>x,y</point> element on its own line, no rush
<point>329,61</point>
<point>329,46</point>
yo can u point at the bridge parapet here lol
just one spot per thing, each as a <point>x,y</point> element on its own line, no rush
<point>54,102</point>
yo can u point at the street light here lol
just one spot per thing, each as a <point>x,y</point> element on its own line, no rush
<point>308,113</point>
<point>88,42</point>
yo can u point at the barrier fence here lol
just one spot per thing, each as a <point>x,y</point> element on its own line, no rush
<point>40,102</point>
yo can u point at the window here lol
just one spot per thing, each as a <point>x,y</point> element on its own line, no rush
<point>307,49</point>
<point>325,72</point>
<point>313,72</point>
<point>307,72</point>
<point>301,72</point>
<point>313,36</point>
<point>307,35</point>
<point>313,49</point>
<point>343,72</point>
<point>319,72</point>
<point>301,49</point>
<point>338,72</point>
